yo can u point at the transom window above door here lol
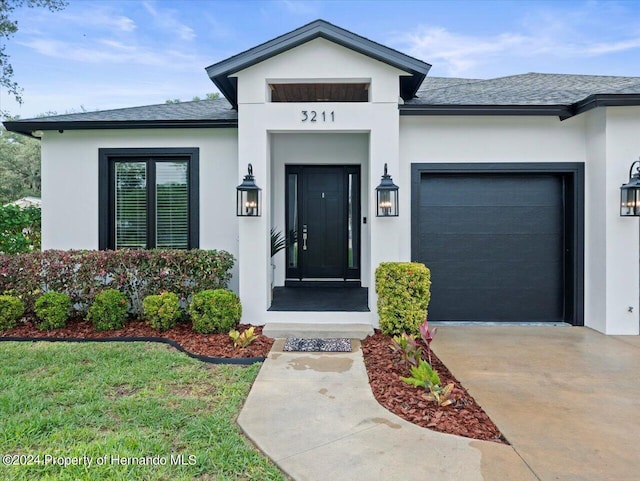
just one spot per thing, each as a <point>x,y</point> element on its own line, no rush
<point>148,198</point>
<point>319,92</point>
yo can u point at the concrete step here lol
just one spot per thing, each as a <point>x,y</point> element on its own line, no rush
<point>316,331</point>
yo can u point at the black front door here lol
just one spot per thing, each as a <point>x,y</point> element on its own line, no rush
<point>323,222</point>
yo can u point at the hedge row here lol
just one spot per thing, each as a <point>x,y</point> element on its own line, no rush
<point>136,273</point>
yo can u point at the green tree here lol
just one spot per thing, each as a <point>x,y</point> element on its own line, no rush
<point>19,166</point>
<point>20,229</point>
<point>209,96</point>
<point>8,28</point>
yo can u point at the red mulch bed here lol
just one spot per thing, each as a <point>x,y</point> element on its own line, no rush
<point>213,345</point>
<point>464,417</point>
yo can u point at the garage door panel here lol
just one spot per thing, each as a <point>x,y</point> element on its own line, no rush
<point>499,247</point>
<point>495,305</point>
<point>492,219</point>
<point>488,189</point>
<point>482,274</point>
<point>494,244</point>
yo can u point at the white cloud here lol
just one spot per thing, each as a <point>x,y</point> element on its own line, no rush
<point>166,19</point>
<point>300,7</point>
<point>101,18</point>
<point>614,47</point>
<point>458,54</point>
<point>106,50</point>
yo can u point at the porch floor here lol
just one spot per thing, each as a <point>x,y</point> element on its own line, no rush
<point>343,299</point>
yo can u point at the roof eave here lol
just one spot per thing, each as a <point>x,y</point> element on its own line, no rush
<point>606,100</point>
<point>28,127</point>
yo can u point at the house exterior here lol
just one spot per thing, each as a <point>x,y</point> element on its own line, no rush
<point>508,188</point>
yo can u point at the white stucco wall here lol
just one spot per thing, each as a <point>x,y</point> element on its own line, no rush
<point>622,147</point>
<point>612,274</point>
<point>70,187</point>
<point>595,269</point>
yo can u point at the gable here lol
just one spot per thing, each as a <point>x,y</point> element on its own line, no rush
<point>321,61</point>
<point>222,73</point>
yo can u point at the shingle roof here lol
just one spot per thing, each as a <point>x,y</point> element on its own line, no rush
<point>525,89</point>
<point>202,113</point>
<point>217,109</point>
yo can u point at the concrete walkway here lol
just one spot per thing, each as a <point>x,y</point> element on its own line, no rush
<point>315,416</point>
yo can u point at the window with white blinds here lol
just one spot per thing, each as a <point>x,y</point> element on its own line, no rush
<point>148,198</point>
<point>172,205</point>
<point>131,205</point>
<point>151,190</point>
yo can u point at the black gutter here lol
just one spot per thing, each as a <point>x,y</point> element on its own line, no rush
<point>561,111</point>
<point>605,100</point>
<point>27,127</point>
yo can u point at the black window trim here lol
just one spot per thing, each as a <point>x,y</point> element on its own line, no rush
<point>106,211</point>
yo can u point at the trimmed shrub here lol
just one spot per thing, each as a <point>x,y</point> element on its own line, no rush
<point>215,311</point>
<point>109,311</point>
<point>403,296</point>
<point>11,309</point>
<point>52,309</point>
<point>136,273</point>
<point>162,311</point>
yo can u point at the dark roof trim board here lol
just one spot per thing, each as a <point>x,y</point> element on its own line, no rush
<point>220,72</point>
<point>561,111</point>
<point>606,100</point>
<point>28,127</point>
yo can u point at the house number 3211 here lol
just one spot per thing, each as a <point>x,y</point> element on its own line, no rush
<point>313,116</point>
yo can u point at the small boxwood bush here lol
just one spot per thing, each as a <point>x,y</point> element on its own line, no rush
<point>109,310</point>
<point>162,311</point>
<point>52,310</point>
<point>11,309</point>
<point>403,296</point>
<point>215,311</point>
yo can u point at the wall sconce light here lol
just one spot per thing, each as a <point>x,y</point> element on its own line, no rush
<point>387,196</point>
<point>248,203</point>
<point>630,194</point>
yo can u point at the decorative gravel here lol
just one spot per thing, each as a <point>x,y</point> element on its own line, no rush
<point>317,345</point>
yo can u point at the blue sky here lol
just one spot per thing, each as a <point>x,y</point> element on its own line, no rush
<point>110,54</point>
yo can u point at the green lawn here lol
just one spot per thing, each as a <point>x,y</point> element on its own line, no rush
<point>123,402</point>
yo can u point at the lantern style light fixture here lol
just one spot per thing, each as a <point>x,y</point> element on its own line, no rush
<point>249,194</point>
<point>387,196</point>
<point>630,194</point>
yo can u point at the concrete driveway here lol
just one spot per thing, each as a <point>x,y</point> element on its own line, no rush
<point>566,398</point>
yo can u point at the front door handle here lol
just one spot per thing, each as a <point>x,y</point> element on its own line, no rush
<point>304,237</point>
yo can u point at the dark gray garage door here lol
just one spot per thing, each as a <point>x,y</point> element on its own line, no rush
<point>494,244</point>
